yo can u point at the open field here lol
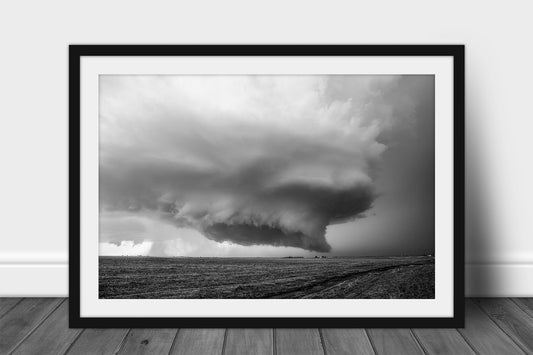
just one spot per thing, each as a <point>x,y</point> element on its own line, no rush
<point>373,277</point>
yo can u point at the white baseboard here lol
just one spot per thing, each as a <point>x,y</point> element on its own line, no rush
<point>499,280</point>
<point>49,279</point>
<point>34,280</point>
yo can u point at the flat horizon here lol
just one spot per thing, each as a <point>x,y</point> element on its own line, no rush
<point>264,257</point>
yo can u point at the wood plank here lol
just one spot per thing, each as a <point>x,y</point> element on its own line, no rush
<point>7,303</point>
<point>148,341</point>
<point>442,341</point>
<point>199,341</point>
<point>22,319</point>
<point>394,341</point>
<point>99,341</point>
<point>298,342</point>
<point>53,336</point>
<point>249,341</point>
<point>526,304</point>
<point>516,323</point>
<point>484,335</point>
<point>346,341</point>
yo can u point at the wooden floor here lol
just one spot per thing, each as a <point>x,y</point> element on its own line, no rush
<point>40,326</point>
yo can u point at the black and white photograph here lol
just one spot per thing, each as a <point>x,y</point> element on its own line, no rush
<point>234,178</point>
<point>266,186</point>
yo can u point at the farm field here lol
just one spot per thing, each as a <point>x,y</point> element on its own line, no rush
<point>182,277</point>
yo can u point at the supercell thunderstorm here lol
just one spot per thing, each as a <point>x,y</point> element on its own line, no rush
<point>251,160</point>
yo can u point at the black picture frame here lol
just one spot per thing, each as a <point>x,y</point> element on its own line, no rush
<point>76,52</point>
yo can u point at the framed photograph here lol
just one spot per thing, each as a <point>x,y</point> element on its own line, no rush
<point>266,186</point>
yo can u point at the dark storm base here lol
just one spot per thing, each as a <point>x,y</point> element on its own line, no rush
<point>180,277</point>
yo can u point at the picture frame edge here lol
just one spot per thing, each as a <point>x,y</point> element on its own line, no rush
<point>77,51</point>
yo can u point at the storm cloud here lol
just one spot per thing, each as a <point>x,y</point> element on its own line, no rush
<point>250,160</point>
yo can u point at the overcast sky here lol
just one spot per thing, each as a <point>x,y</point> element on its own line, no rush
<point>266,165</point>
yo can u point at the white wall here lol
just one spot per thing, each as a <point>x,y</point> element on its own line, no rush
<point>33,110</point>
